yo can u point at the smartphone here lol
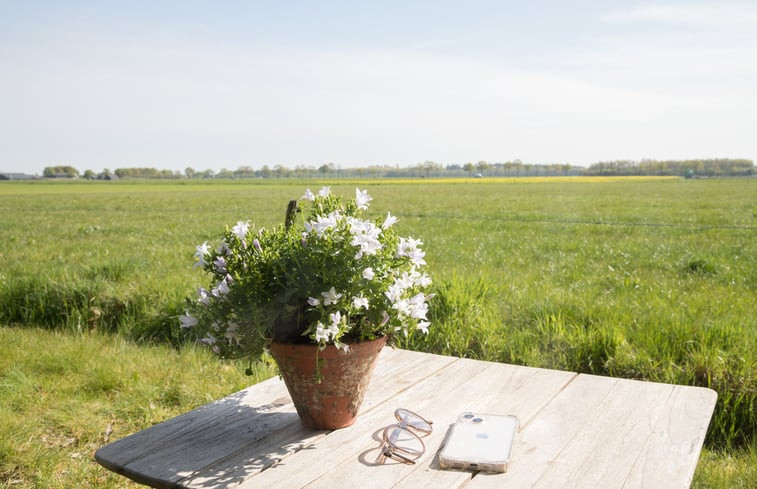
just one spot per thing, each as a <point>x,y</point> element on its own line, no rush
<point>481,442</point>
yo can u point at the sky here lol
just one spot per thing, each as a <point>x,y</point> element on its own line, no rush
<point>222,84</point>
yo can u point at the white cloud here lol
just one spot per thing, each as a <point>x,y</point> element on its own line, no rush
<point>701,15</point>
<point>701,54</point>
<point>128,101</point>
<point>204,108</point>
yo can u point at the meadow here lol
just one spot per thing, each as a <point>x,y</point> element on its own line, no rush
<point>644,278</point>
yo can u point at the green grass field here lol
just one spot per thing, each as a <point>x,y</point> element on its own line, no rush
<point>652,279</point>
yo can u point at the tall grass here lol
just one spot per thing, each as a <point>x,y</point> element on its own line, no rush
<point>64,395</point>
<point>651,280</point>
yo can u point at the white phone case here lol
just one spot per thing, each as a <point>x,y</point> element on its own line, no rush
<point>481,442</point>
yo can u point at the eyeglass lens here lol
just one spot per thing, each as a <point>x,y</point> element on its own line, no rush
<point>409,418</point>
<point>404,440</point>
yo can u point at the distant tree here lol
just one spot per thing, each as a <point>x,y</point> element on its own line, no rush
<point>89,174</point>
<point>429,166</point>
<point>246,171</point>
<point>190,172</point>
<point>518,165</point>
<point>327,168</point>
<point>482,166</point>
<point>143,173</point>
<point>281,171</point>
<point>65,170</point>
<point>377,170</point>
<point>469,168</point>
<point>301,171</point>
<point>265,172</point>
<point>709,168</point>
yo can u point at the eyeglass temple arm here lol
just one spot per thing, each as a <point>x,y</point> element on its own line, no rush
<point>396,456</point>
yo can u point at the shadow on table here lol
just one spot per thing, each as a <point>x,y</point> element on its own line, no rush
<point>216,445</point>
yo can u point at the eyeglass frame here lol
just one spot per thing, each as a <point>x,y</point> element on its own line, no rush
<point>390,448</point>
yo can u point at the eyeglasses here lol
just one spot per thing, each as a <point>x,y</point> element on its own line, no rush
<point>402,441</point>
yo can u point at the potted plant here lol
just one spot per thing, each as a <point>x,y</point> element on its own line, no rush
<point>324,292</point>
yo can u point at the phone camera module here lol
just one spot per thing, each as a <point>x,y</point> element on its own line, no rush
<point>468,416</point>
<point>478,420</point>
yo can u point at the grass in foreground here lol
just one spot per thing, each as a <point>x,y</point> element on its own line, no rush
<point>654,280</point>
<point>64,395</point>
<point>718,469</point>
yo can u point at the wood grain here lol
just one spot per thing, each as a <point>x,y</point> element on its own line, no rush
<point>577,431</point>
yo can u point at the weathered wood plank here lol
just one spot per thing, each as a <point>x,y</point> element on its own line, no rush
<point>521,391</point>
<point>576,431</point>
<point>670,456</point>
<point>358,445</point>
<point>542,438</point>
<point>602,453</point>
<point>351,456</point>
<point>400,371</point>
<point>168,452</point>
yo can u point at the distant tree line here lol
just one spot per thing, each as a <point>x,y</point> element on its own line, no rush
<point>145,173</point>
<point>60,172</point>
<point>687,168</point>
<point>427,169</point>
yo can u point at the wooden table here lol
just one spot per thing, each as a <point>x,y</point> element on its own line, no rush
<point>577,431</point>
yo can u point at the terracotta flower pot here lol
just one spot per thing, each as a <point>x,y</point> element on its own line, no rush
<point>334,402</point>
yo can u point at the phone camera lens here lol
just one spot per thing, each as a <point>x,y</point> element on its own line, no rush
<point>478,420</point>
<point>467,415</point>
